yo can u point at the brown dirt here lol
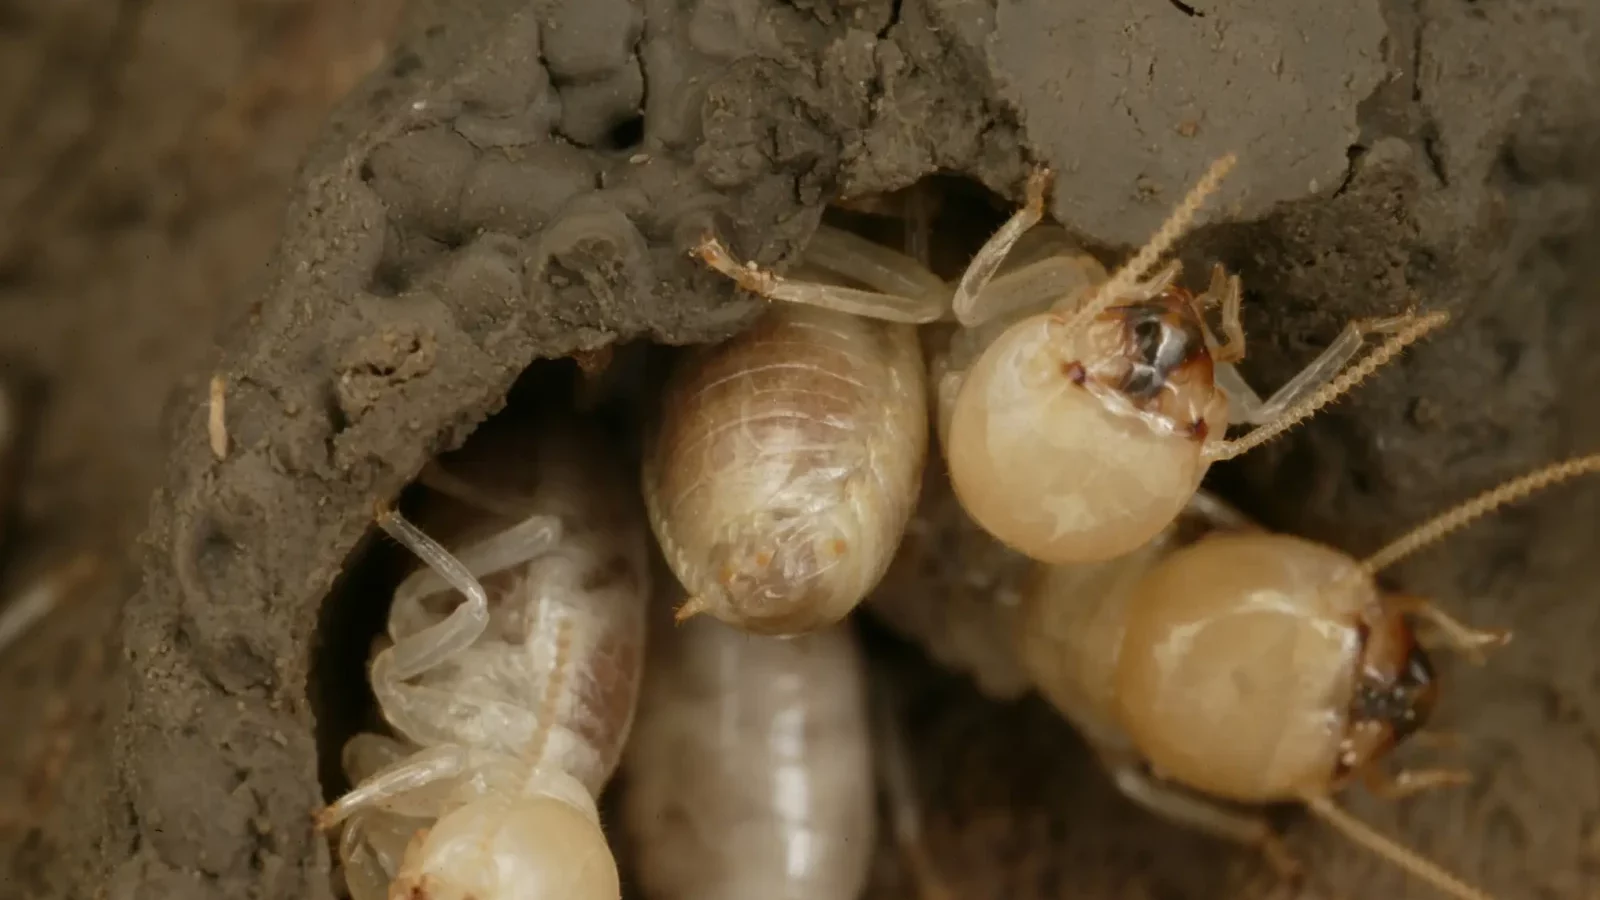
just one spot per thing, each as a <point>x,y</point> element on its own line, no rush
<point>439,239</point>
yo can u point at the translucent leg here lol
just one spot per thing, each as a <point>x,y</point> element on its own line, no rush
<point>432,715</point>
<point>1458,636</point>
<point>367,754</point>
<point>994,251</point>
<point>905,292</point>
<point>1321,370</point>
<point>1321,382</point>
<point>423,769</point>
<point>527,540</point>
<point>365,872</point>
<point>1185,808</point>
<point>1412,781</point>
<point>1241,396</point>
<point>905,811</point>
<point>438,479</point>
<point>1048,283</point>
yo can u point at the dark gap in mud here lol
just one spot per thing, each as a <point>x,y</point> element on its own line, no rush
<point>960,213</point>
<point>626,134</point>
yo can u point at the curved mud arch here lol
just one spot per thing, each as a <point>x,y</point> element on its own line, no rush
<point>492,199</point>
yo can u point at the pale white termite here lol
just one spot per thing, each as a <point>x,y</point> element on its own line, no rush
<point>786,460</point>
<point>750,772</point>
<point>1254,668</point>
<point>510,681</point>
<point>1079,411</point>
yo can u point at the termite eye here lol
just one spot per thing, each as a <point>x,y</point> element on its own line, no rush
<point>1147,337</point>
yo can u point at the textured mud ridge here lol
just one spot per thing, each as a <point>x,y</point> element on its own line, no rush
<point>494,197</point>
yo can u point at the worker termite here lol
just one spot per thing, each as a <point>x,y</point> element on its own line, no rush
<point>1079,411</point>
<point>512,707</point>
<point>750,770</point>
<point>787,459</point>
<point>1255,668</point>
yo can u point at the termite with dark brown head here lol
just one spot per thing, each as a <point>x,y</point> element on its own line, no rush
<point>510,680</point>
<point>1079,411</point>
<point>787,459</point>
<point>1256,668</point>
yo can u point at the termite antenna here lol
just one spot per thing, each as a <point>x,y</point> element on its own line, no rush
<point>1176,225</point>
<point>1440,526</point>
<point>555,683</point>
<point>1409,860</point>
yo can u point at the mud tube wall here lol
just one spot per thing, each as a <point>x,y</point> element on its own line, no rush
<point>492,197</point>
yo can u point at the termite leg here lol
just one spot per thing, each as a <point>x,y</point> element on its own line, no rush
<point>420,646</point>
<point>902,290</point>
<point>364,871</point>
<point>1411,781</point>
<point>1318,373</point>
<point>385,787</point>
<point>1458,636</point>
<point>438,479</point>
<point>1055,282</point>
<point>1184,808</point>
<point>1321,382</point>
<point>975,280</point>
<point>900,791</point>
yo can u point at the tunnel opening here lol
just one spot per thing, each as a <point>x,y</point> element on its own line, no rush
<point>620,388</point>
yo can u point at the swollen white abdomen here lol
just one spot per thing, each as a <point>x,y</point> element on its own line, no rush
<point>786,464</point>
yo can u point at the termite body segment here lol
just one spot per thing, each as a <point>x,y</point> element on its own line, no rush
<point>1255,668</point>
<point>510,679</point>
<point>787,460</point>
<point>750,770</point>
<point>1079,410</point>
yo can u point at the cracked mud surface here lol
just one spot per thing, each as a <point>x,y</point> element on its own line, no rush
<point>492,196</point>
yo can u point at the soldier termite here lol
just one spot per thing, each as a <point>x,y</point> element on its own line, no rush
<point>1079,411</point>
<point>510,680</point>
<point>1254,668</point>
<point>750,771</point>
<point>787,459</point>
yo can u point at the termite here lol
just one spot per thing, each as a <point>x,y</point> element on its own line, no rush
<point>750,771</point>
<point>1254,667</point>
<point>787,460</point>
<point>1079,411</point>
<point>512,696</point>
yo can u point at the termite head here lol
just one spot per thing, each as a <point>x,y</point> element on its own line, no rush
<point>510,848</point>
<point>1080,446</point>
<point>1395,693</point>
<point>1149,358</point>
<point>1241,659</point>
<point>1077,436</point>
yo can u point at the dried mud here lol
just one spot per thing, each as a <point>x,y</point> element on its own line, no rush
<point>492,196</point>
